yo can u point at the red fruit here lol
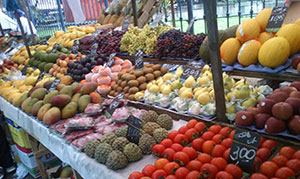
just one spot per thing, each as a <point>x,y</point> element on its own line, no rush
<point>176,147</point>
<point>157,150</point>
<point>257,163</point>
<point>268,168</point>
<point>200,126</point>
<point>274,125</point>
<point>294,94</point>
<point>192,134</point>
<point>227,142</point>
<point>190,151</point>
<point>159,174</point>
<point>182,129</point>
<point>244,118</point>
<point>208,135</point>
<point>197,144</point>
<point>261,141</point>
<point>287,151</point>
<point>168,153</point>
<point>294,124</point>
<point>181,139</point>
<point>172,134</point>
<point>280,160</point>
<point>215,128</point>
<point>194,165</point>
<point>181,173</point>
<point>218,150</point>
<point>270,144</point>
<point>294,102</point>
<point>135,175</point>
<point>171,177</point>
<point>226,154</point>
<point>148,170</point>
<point>171,167</point>
<point>207,146</point>
<point>261,119</point>
<point>231,135</point>
<point>263,153</point>
<point>209,170</point>
<point>181,158</point>
<point>296,84</point>
<point>258,176</point>
<point>294,164</point>
<point>204,158</point>
<point>224,175</point>
<point>297,154</point>
<point>225,131</point>
<point>279,96</point>
<point>282,110</point>
<point>166,143</point>
<point>234,170</point>
<point>191,123</point>
<point>218,138</point>
<point>160,163</point>
<point>253,110</point>
<point>265,106</point>
<point>193,175</point>
<point>295,61</point>
<point>219,162</point>
<point>285,172</point>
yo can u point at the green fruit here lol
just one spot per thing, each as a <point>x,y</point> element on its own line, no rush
<point>41,66</point>
<point>50,95</point>
<point>51,58</point>
<point>30,61</point>
<point>47,67</point>
<point>36,107</point>
<point>35,63</point>
<point>76,97</point>
<point>30,105</point>
<point>39,93</point>
<point>66,172</point>
<point>22,99</point>
<point>69,110</point>
<point>68,90</point>
<point>83,102</point>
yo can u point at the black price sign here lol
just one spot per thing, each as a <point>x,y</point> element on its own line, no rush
<point>114,105</point>
<point>111,60</point>
<point>243,149</point>
<point>188,30</point>
<point>276,19</point>
<point>75,47</point>
<point>139,60</point>
<point>24,70</point>
<point>133,130</point>
<point>126,23</point>
<point>120,96</point>
<point>41,76</point>
<point>94,49</point>
<point>190,72</point>
<point>54,49</point>
<point>156,20</point>
<point>54,84</point>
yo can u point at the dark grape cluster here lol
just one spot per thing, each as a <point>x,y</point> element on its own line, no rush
<point>177,44</point>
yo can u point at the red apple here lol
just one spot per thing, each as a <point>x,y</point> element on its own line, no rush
<point>244,118</point>
<point>295,102</point>
<point>274,125</point>
<point>279,96</point>
<point>282,110</point>
<point>295,94</point>
<point>296,84</point>
<point>276,90</point>
<point>260,120</point>
<point>288,89</point>
<point>294,125</point>
<point>253,110</point>
<point>295,61</point>
<point>265,105</point>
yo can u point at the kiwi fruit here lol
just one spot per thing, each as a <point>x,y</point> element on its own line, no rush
<point>124,76</point>
<point>111,93</point>
<point>115,94</point>
<point>157,74</point>
<point>126,89</point>
<point>130,77</point>
<point>138,73</point>
<point>156,67</point>
<point>164,70</point>
<point>149,77</point>
<point>120,74</point>
<point>143,86</point>
<point>148,70</point>
<point>141,79</point>
<point>120,89</point>
<point>131,97</point>
<point>123,84</point>
<point>116,87</point>
<point>133,83</point>
<point>148,65</point>
<point>133,90</point>
<point>119,82</point>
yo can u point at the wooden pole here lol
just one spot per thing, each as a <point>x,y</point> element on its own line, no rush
<point>23,33</point>
<point>214,50</point>
<point>135,18</point>
<point>173,13</point>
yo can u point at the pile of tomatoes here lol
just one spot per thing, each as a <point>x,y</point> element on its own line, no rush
<point>196,151</point>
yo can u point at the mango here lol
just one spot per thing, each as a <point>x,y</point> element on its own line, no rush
<point>50,95</point>
<point>75,97</point>
<point>77,88</point>
<point>22,99</point>
<point>47,84</point>
<point>75,84</point>
<point>69,110</point>
<point>67,80</point>
<point>32,90</point>
<point>83,102</point>
<point>60,86</point>
<point>60,100</point>
<point>30,105</point>
<point>96,98</point>
<point>39,93</point>
<point>87,88</point>
<point>25,103</point>
<point>52,115</point>
<point>68,90</point>
<point>36,107</point>
<point>43,110</point>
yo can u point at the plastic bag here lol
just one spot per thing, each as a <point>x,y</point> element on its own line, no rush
<point>82,123</point>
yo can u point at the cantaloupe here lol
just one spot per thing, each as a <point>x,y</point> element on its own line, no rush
<point>249,52</point>
<point>229,50</point>
<point>292,33</point>
<point>263,17</point>
<point>274,52</point>
<point>248,30</point>
<point>297,22</point>
<point>264,36</point>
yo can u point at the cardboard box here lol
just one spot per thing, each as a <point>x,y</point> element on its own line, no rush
<point>18,134</point>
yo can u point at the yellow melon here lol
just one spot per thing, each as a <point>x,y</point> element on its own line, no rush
<point>274,52</point>
<point>263,17</point>
<point>292,33</point>
<point>264,36</point>
<point>248,53</point>
<point>249,29</point>
<point>297,22</point>
<point>229,50</point>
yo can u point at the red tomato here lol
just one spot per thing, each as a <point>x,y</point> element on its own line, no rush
<point>157,150</point>
<point>171,177</point>
<point>181,173</point>
<point>190,151</point>
<point>166,142</point>
<point>294,164</point>
<point>297,154</point>
<point>263,153</point>
<point>209,170</point>
<point>194,165</point>
<point>218,150</point>
<point>207,146</point>
<point>158,174</point>
<point>200,126</point>
<point>176,147</point>
<point>197,144</point>
<point>262,140</point>
<point>160,163</point>
<point>234,170</point>
<point>135,175</point>
<point>148,170</point>
<point>215,128</point>
<point>172,134</point>
<point>285,172</point>
<point>168,153</point>
<point>268,168</point>
<point>227,142</point>
<point>204,158</point>
<point>191,123</point>
<point>171,167</point>
<point>218,138</point>
<point>224,175</point>
<point>193,175</point>
<point>287,151</point>
<point>257,163</point>
<point>231,135</point>
<point>280,160</point>
<point>270,144</point>
<point>226,154</point>
<point>258,176</point>
<point>191,134</point>
<point>208,135</point>
<point>181,158</point>
<point>182,129</point>
<point>219,162</point>
<point>225,131</point>
<point>181,139</point>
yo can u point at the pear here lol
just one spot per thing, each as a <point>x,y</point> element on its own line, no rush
<point>183,89</point>
<point>251,102</point>
<point>243,93</point>
<point>228,83</point>
<point>166,90</point>
<point>230,109</point>
<point>189,82</point>
<point>208,74</point>
<point>205,68</point>
<point>212,94</point>
<point>167,77</point>
<point>176,85</point>
<point>153,89</point>
<point>186,94</point>
<point>203,80</point>
<point>178,72</point>
<point>203,98</point>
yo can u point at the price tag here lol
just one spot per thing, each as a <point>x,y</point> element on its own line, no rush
<point>41,76</point>
<point>139,60</point>
<point>55,46</point>
<point>94,49</point>
<point>156,20</point>
<point>111,60</point>
<point>276,19</point>
<point>126,23</point>
<point>114,105</point>
<point>75,47</point>
<point>188,30</point>
<point>243,149</point>
<point>190,72</point>
<point>120,96</point>
<point>133,130</point>
<point>54,84</point>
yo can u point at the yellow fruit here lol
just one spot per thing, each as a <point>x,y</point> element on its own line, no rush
<point>186,94</point>
<point>30,81</point>
<point>249,29</point>
<point>189,82</point>
<point>203,98</point>
<point>264,36</point>
<point>274,52</point>
<point>292,34</point>
<point>249,52</point>
<point>297,22</point>
<point>263,17</point>
<point>229,50</point>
